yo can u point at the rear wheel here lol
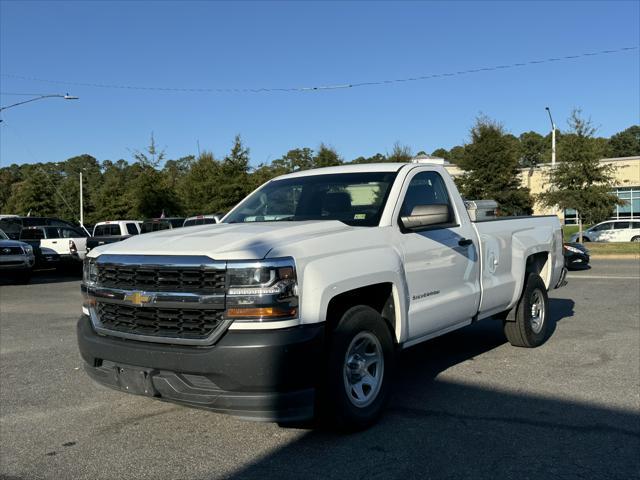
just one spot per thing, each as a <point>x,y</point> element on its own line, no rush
<point>360,364</point>
<point>636,238</point>
<point>531,326</point>
<point>585,239</point>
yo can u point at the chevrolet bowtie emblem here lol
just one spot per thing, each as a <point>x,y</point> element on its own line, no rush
<point>137,298</point>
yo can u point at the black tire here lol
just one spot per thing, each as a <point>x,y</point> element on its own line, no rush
<point>525,331</point>
<point>636,238</point>
<point>359,325</point>
<point>585,239</point>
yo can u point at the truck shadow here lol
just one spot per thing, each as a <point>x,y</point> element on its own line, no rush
<point>436,428</point>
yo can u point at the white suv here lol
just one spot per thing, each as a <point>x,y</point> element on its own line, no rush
<point>611,231</point>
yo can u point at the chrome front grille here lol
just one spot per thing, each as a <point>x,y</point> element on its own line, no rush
<point>188,324</point>
<point>162,279</point>
<point>159,298</point>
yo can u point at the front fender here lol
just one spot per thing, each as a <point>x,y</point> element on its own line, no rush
<point>324,278</point>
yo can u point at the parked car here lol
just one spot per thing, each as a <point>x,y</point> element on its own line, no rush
<point>202,220</point>
<point>576,256</point>
<point>12,225</point>
<point>157,224</point>
<point>16,258</point>
<point>112,231</point>
<point>56,246</point>
<point>611,231</point>
<point>297,303</point>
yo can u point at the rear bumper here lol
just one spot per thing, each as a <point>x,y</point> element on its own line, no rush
<point>263,375</point>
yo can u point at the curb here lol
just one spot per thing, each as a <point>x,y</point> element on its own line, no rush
<point>615,256</point>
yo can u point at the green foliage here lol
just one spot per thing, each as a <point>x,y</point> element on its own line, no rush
<point>192,185</point>
<point>490,164</point>
<point>625,143</point>
<point>400,154</point>
<point>532,149</point>
<point>326,157</point>
<point>580,181</point>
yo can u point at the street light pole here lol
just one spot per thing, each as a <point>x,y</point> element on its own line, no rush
<point>81,209</point>
<point>41,97</point>
<point>553,138</point>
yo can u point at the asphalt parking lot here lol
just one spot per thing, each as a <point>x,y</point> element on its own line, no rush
<point>467,405</point>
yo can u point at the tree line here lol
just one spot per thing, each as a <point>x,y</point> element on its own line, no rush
<point>150,184</point>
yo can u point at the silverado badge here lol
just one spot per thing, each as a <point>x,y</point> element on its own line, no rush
<point>137,298</point>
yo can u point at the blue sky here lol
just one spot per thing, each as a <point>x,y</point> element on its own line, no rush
<point>290,44</point>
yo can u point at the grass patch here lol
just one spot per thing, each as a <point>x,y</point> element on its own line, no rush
<point>571,229</point>
<point>614,248</point>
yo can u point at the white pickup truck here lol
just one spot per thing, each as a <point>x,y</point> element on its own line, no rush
<point>297,303</point>
<point>56,246</point>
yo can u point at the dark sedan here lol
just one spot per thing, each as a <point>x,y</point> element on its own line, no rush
<point>576,256</point>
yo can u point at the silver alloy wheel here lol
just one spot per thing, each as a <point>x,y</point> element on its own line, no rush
<point>537,311</point>
<point>363,369</point>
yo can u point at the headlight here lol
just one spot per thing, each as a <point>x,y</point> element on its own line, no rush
<point>263,290</point>
<point>89,271</point>
<point>572,249</point>
<point>28,249</point>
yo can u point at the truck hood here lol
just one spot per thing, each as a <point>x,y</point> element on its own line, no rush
<point>238,241</point>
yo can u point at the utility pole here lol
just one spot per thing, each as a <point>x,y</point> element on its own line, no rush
<point>553,138</point>
<point>81,207</point>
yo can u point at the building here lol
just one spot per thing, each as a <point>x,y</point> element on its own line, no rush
<point>627,187</point>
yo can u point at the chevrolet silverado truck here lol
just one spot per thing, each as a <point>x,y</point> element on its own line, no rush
<point>298,302</point>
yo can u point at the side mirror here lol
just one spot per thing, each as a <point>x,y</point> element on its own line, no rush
<point>426,215</point>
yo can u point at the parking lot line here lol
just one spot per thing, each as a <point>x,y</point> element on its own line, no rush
<point>614,277</point>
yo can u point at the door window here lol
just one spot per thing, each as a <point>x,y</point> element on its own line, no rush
<point>600,228</point>
<point>621,225</point>
<point>32,234</point>
<point>132,229</point>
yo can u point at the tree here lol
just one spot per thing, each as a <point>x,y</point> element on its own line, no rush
<point>293,160</point>
<point>326,157</point>
<point>149,195</point>
<point>441,153</point>
<point>233,183</point>
<point>377,158</point>
<point>490,164</point>
<point>532,148</point>
<point>198,188</point>
<point>625,143</point>
<point>456,154</point>
<point>400,153</point>
<point>580,181</point>
<point>36,194</point>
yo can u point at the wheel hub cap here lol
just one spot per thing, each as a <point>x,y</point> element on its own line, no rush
<point>363,369</point>
<point>537,311</point>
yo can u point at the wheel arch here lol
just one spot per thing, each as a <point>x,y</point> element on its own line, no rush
<point>382,297</point>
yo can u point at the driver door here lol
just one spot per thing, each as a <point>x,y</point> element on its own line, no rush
<point>440,261</point>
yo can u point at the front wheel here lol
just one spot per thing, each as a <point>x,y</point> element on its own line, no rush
<point>531,325</point>
<point>636,238</point>
<point>359,368</point>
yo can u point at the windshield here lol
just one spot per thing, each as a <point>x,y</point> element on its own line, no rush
<point>353,198</point>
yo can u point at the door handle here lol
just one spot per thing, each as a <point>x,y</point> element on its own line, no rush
<point>463,242</point>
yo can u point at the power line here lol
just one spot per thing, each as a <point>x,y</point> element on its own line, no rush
<point>324,87</point>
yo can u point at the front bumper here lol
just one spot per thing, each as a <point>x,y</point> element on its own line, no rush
<point>16,262</point>
<point>266,375</point>
<point>577,260</point>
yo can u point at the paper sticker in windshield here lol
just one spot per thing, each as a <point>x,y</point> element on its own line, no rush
<point>360,216</point>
